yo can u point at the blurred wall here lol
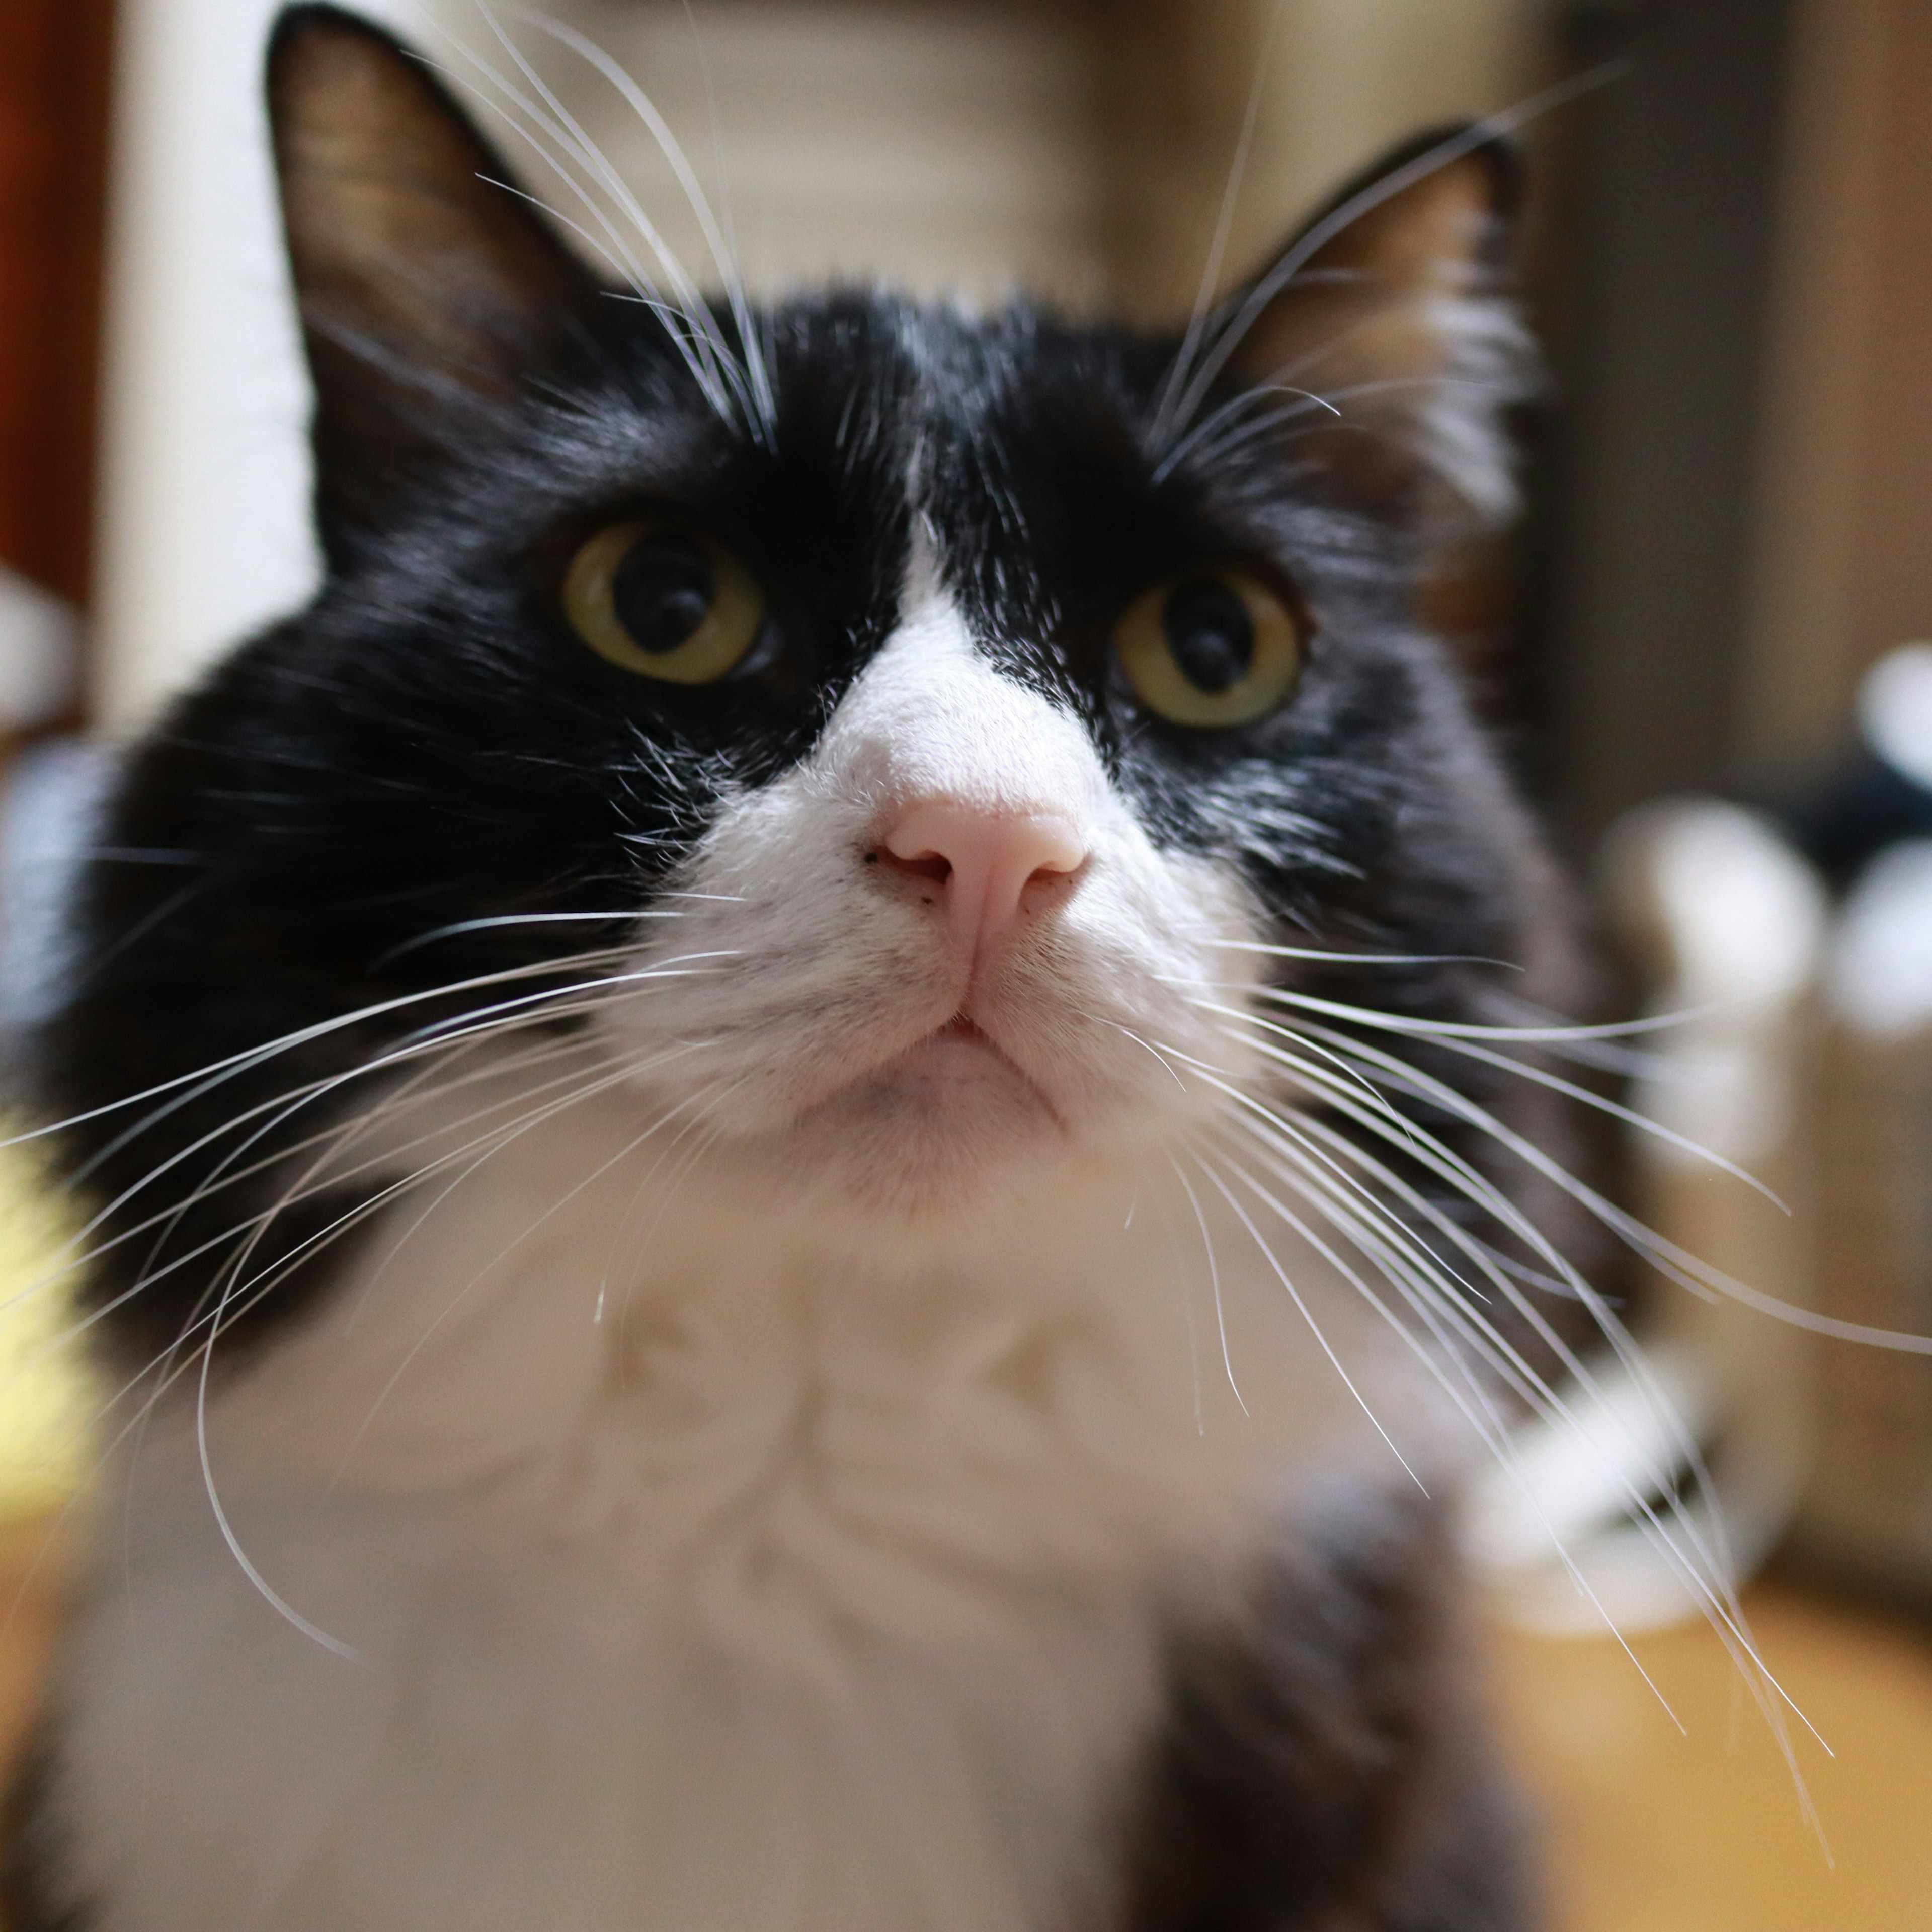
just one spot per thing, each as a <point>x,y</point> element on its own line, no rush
<point>1843,566</point>
<point>1744,435</point>
<point>1670,222</point>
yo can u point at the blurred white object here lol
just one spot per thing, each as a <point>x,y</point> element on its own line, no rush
<point>1731,922</point>
<point>48,802</point>
<point>1895,710</point>
<point>1880,983</point>
<point>37,634</point>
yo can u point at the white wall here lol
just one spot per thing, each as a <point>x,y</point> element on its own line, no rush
<point>203,483</point>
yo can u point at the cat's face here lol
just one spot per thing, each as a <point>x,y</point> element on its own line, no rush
<point>899,741</point>
<point>932,885</point>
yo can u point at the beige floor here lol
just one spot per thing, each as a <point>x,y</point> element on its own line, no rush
<point>1649,1830</point>
<point>1653,1830</point>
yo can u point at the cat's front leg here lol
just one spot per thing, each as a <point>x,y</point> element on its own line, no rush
<point>1323,1766</point>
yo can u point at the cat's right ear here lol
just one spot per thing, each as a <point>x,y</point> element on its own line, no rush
<point>430,296</point>
<point>1386,326</point>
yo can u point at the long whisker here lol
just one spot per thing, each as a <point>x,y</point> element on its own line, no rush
<point>258,1286</point>
<point>304,1035</point>
<point>1413,1269</point>
<point>739,374</point>
<point>1542,1077</point>
<point>1466,1180</point>
<point>556,1207</point>
<point>1425,1028</point>
<point>608,988</point>
<point>1302,1309</point>
<point>1202,434</point>
<point>756,366</point>
<point>1358,958</point>
<point>1696,1570</point>
<point>288,1104</point>
<point>520,919</point>
<point>1100,1020</point>
<point>266,1590</point>
<point>1674,1262</point>
<point>1159,1201</point>
<point>1213,1278</point>
<point>1217,248</point>
<point>1468,1395</point>
<point>702,349</point>
<point>1701,1570</point>
<point>336,1139</point>
<point>222,1316</point>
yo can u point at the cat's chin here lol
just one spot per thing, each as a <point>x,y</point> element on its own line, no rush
<point>928,1128</point>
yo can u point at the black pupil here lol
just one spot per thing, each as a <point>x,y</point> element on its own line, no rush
<point>662,591</point>
<point>1210,634</point>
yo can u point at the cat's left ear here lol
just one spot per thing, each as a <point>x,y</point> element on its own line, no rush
<point>430,294</point>
<point>1391,306</point>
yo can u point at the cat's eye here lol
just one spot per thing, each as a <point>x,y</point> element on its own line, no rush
<point>656,597</point>
<point>1217,647</point>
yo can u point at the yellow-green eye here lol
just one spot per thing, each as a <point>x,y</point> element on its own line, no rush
<point>1216,647</point>
<point>664,601</point>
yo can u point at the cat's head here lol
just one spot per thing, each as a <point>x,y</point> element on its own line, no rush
<point>907,735</point>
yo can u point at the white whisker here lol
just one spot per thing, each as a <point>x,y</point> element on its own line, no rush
<point>523,1011</point>
<point>1699,1567</point>
<point>1217,248</point>
<point>756,365</point>
<point>1213,1277</point>
<point>556,1207</point>
<point>1302,1309</point>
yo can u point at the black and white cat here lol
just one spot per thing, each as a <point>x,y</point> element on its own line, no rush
<point>784,1167</point>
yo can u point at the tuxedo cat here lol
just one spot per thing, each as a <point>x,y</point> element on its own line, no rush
<point>802,1186</point>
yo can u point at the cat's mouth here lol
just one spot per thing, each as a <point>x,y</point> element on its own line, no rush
<point>961,1050</point>
<point>961,1030</point>
<point>951,1091</point>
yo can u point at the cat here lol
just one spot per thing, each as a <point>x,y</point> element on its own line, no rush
<point>793,1181</point>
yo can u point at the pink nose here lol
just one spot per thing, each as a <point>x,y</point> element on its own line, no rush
<point>990,868</point>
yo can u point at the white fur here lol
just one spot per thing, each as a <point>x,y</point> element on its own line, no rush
<point>770,1522</point>
<point>1489,362</point>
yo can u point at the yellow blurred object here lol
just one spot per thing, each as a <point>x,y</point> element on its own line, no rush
<point>45,1408</point>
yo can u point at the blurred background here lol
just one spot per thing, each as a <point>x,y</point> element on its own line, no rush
<point>1698,650</point>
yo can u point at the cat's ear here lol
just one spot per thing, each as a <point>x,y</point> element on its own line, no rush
<point>429,295</point>
<point>1391,306</point>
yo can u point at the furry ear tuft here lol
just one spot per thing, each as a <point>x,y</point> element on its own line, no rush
<point>1390,307</point>
<point>428,294</point>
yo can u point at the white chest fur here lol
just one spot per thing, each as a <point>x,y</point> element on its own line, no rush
<point>742,1586</point>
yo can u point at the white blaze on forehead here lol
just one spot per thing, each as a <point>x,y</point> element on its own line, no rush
<point>931,719</point>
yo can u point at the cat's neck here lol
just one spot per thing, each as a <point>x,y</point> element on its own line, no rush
<point>1104,1342</point>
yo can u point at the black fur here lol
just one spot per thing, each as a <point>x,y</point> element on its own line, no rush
<point>28,1855</point>
<point>1322,1764</point>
